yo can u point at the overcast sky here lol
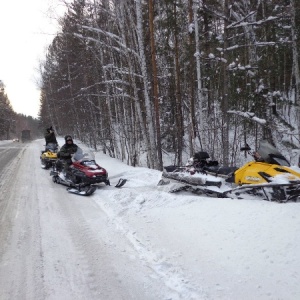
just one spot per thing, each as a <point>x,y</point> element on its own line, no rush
<point>26,30</point>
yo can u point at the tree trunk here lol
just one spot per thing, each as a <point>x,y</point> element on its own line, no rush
<point>149,118</point>
<point>132,77</point>
<point>193,125</point>
<point>179,117</point>
<point>155,86</point>
<point>225,117</point>
<point>198,66</point>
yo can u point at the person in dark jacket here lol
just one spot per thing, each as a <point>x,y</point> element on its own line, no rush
<point>50,136</point>
<point>65,154</point>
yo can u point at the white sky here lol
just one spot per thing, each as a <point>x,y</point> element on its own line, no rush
<point>26,29</point>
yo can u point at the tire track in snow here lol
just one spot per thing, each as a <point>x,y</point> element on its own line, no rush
<point>109,253</point>
<point>171,275</point>
<point>9,161</point>
<point>20,220</point>
<point>95,253</point>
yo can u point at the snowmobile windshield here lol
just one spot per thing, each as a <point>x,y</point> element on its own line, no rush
<point>271,155</point>
<point>83,156</point>
<point>51,147</point>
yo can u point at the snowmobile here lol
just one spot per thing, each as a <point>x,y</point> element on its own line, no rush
<point>49,156</point>
<point>83,176</point>
<point>269,176</point>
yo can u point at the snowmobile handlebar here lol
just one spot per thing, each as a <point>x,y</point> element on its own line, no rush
<point>246,148</point>
<point>254,154</point>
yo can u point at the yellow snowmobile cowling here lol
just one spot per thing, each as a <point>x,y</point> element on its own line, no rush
<point>260,172</point>
<point>49,156</point>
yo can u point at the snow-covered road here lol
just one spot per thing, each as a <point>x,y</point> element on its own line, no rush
<point>139,242</point>
<point>56,245</point>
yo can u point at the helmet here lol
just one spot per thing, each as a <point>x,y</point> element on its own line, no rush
<point>68,138</point>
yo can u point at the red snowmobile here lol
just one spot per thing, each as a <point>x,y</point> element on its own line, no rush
<point>83,176</point>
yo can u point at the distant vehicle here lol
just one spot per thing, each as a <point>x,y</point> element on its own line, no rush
<point>25,136</point>
<point>16,140</point>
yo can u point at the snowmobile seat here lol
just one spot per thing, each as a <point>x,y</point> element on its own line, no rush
<point>202,155</point>
<point>212,163</point>
<point>171,168</point>
<point>216,170</point>
<point>201,160</point>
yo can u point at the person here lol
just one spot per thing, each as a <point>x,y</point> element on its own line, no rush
<point>65,154</point>
<point>50,137</point>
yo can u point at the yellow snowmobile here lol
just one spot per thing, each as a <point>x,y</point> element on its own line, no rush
<point>268,177</point>
<point>49,156</point>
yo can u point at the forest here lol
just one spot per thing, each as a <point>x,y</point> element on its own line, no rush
<point>142,78</point>
<point>12,123</point>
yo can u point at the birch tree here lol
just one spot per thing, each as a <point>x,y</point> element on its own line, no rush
<point>149,108</point>
<point>198,66</point>
<point>155,84</point>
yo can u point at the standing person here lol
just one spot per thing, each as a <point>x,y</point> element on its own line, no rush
<point>65,154</point>
<point>50,137</point>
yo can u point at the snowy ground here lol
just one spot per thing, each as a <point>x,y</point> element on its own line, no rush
<point>170,246</point>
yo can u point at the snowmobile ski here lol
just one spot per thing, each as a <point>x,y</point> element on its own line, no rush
<point>85,191</point>
<point>121,182</point>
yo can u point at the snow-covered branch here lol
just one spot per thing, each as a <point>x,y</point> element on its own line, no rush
<point>248,115</point>
<point>241,23</point>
